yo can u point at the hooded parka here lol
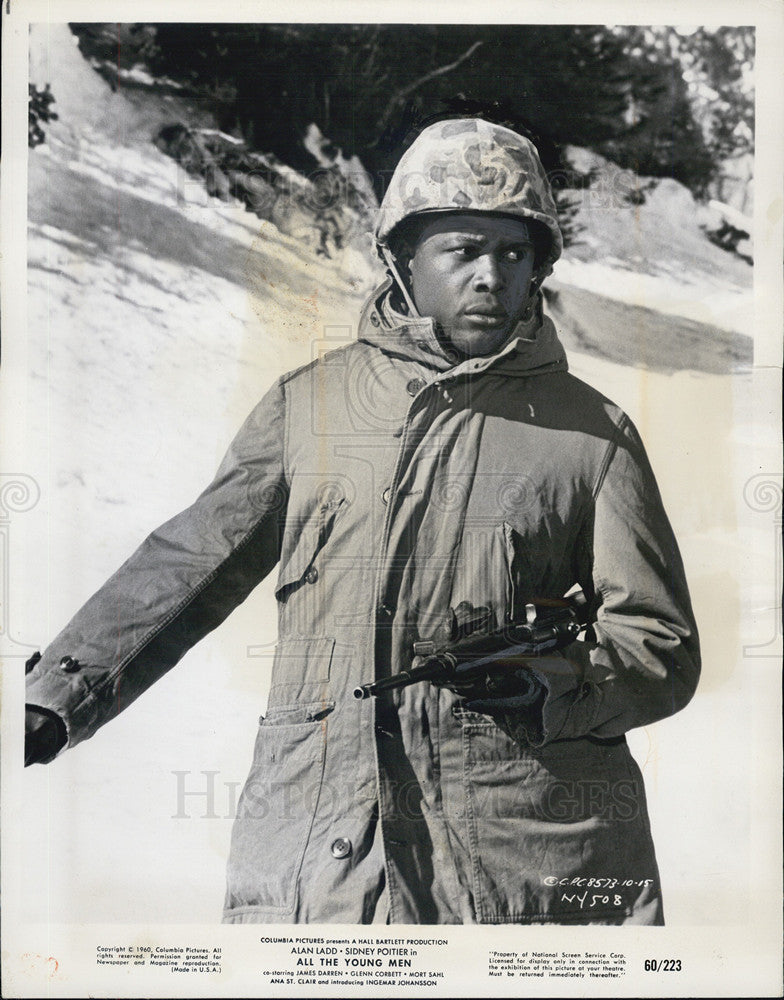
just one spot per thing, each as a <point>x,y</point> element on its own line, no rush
<point>391,483</point>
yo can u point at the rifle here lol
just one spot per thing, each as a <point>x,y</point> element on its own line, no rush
<point>476,653</point>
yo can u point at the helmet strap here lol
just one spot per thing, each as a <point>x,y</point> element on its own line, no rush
<point>390,262</point>
<point>536,283</point>
<point>533,295</point>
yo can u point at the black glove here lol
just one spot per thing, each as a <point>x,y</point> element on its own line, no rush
<point>523,690</point>
<point>45,735</point>
<point>515,687</point>
<point>45,732</point>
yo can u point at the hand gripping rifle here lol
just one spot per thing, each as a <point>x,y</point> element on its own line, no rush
<point>474,654</point>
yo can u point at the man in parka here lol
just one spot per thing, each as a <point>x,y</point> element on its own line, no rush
<point>444,459</point>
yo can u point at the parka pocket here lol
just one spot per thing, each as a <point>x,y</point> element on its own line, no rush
<point>539,819</point>
<point>300,672</point>
<point>492,570</point>
<point>276,809</point>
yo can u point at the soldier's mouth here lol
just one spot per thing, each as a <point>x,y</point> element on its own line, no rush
<point>487,317</point>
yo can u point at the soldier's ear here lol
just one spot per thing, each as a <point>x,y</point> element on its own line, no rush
<point>405,245</point>
<point>403,259</point>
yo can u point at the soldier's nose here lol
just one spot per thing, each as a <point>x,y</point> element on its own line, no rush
<point>487,274</point>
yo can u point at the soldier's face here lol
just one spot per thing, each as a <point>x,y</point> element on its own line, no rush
<point>472,273</point>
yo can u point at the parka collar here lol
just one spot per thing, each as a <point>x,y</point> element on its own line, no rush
<point>532,349</point>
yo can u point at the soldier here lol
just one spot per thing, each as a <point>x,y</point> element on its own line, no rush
<point>444,460</point>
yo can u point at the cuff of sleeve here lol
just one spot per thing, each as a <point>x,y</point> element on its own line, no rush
<point>64,696</point>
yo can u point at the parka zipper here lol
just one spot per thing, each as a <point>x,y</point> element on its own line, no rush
<point>376,608</point>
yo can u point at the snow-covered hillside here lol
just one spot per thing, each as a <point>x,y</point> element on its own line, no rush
<point>157,317</point>
<point>642,285</point>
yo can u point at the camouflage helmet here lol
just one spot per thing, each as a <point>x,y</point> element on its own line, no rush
<point>469,164</point>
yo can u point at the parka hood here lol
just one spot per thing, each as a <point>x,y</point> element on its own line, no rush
<point>533,347</point>
<point>469,164</point>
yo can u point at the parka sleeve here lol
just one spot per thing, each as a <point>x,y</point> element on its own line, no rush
<point>645,662</point>
<point>182,582</point>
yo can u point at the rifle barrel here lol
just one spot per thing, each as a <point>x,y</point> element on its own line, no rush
<point>441,663</point>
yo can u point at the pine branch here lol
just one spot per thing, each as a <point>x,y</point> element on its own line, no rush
<point>399,97</point>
